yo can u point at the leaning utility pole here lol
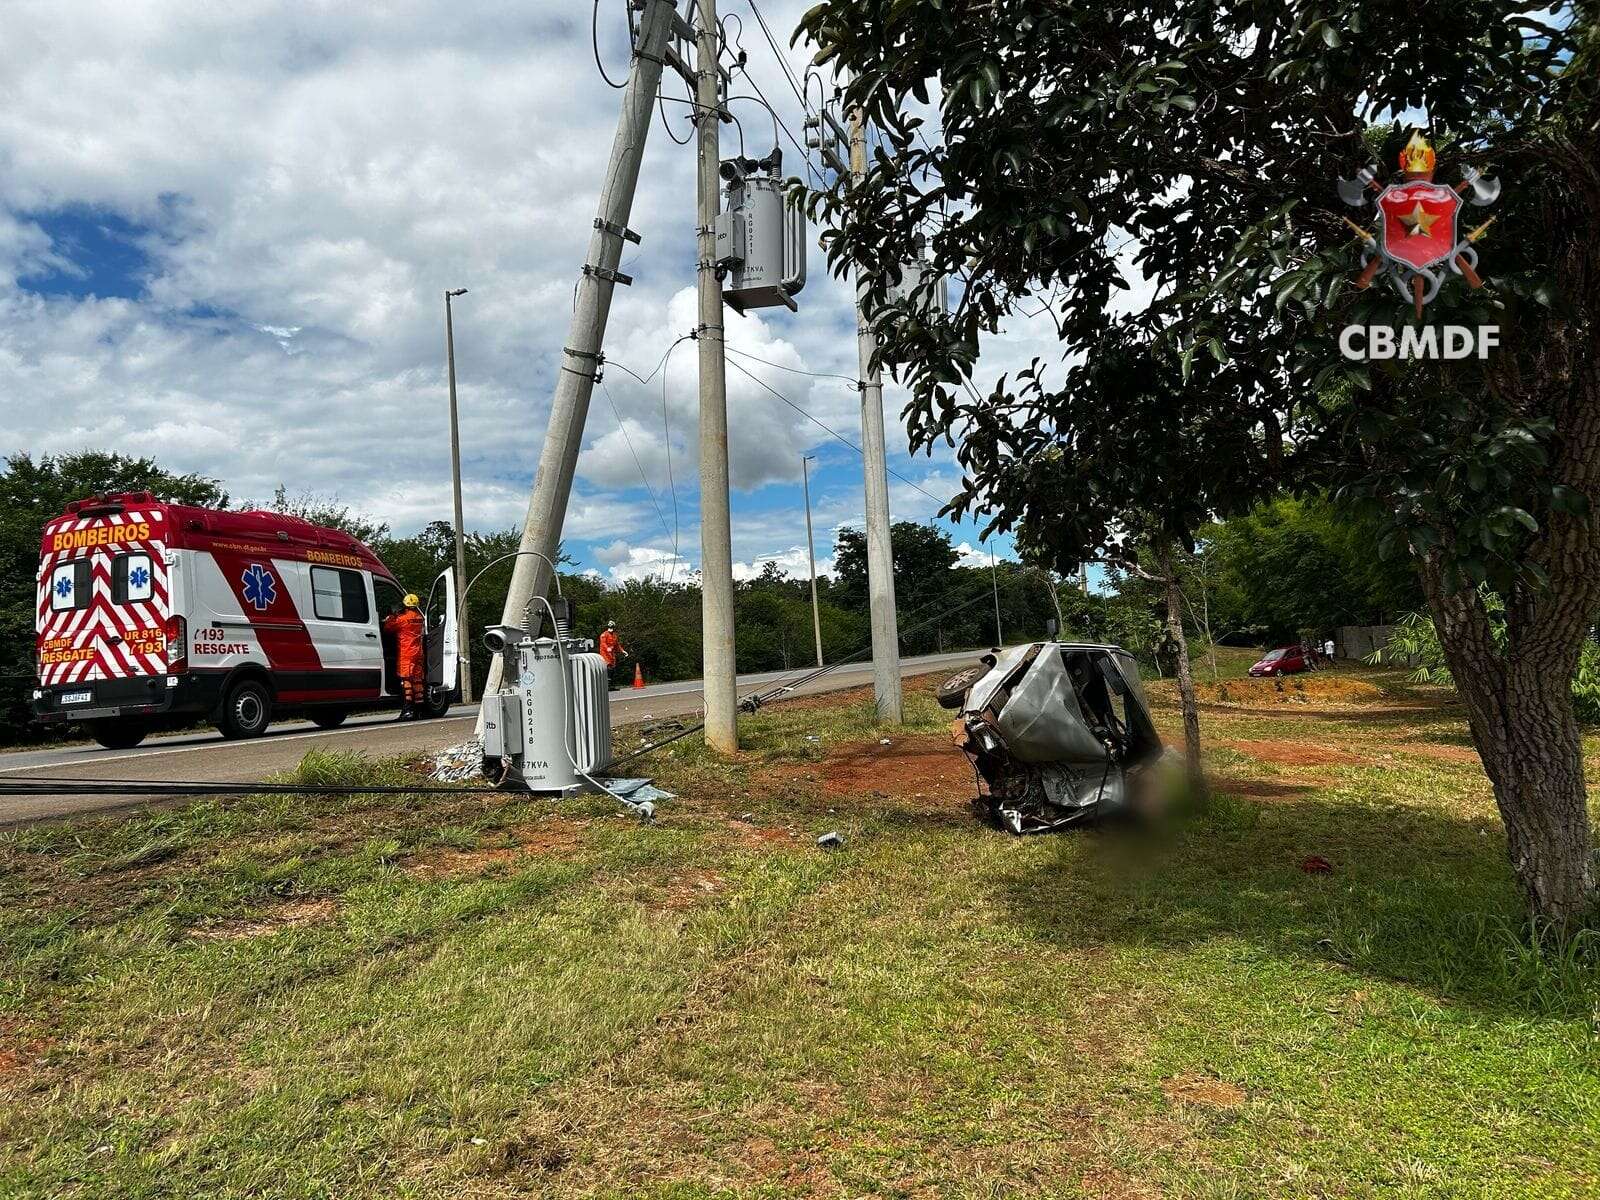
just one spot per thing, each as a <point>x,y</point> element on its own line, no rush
<point>811,556</point>
<point>720,685</point>
<point>581,356</point>
<point>463,635</point>
<point>880,549</point>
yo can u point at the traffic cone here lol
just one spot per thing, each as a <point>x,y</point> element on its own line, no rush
<point>638,675</point>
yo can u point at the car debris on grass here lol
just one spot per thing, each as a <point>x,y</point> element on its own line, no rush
<point>1057,732</point>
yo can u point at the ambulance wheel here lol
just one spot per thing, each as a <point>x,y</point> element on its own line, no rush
<point>247,711</point>
<point>328,718</point>
<point>118,734</point>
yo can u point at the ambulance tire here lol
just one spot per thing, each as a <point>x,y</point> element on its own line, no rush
<point>118,734</point>
<point>247,710</point>
<point>328,718</point>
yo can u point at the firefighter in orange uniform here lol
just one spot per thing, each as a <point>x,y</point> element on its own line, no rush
<point>410,662</point>
<point>612,649</point>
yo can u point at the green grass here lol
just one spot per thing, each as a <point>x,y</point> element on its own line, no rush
<point>425,996</point>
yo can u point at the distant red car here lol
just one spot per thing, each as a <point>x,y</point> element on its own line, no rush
<point>1286,660</point>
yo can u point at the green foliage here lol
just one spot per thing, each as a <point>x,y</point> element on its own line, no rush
<point>1293,566</point>
<point>1415,642</point>
<point>326,511</point>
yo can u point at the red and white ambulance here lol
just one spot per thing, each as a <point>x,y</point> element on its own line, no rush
<point>152,614</point>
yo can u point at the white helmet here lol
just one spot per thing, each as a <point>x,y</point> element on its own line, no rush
<point>611,624</point>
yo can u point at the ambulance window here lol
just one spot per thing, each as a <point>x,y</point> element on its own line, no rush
<point>132,579</point>
<point>70,586</point>
<point>339,595</point>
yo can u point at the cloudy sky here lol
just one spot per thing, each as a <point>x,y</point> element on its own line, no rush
<point>225,231</point>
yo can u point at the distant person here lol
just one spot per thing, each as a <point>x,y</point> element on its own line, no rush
<point>612,649</point>
<point>1327,650</point>
<point>410,662</point>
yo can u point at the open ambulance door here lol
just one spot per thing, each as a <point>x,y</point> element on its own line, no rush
<point>444,639</point>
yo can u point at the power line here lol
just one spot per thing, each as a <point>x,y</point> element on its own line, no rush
<point>660,516</point>
<point>594,39</point>
<point>778,54</point>
<point>666,426</point>
<point>850,379</point>
<point>835,433</point>
<point>662,97</point>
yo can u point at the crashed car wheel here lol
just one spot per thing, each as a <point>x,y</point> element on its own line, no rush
<point>953,691</point>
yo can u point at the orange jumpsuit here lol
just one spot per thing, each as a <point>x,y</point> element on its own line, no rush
<point>611,647</point>
<point>410,663</point>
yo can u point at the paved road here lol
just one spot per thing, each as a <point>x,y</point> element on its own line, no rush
<point>206,756</point>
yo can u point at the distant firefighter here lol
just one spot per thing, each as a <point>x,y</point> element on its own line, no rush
<point>611,647</point>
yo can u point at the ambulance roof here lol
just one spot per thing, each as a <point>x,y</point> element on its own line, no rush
<point>189,527</point>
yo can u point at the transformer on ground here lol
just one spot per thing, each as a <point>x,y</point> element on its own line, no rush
<point>549,725</point>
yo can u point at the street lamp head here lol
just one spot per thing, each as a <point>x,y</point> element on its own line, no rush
<point>457,292</point>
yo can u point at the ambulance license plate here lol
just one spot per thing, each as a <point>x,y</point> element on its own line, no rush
<point>76,697</point>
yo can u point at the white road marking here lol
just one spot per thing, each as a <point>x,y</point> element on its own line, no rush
<point>156,751</point>
<point>677,688</point>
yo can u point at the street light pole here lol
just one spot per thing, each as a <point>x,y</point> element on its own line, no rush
<point>994,579</point>
<point>463,636</point>
<point>811,555</point>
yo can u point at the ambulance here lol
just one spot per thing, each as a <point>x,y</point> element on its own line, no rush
<point>155,615</point>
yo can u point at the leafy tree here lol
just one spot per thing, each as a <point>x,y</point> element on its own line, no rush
<point>924,561</point>
<point>327,511</point>
<point>1415,643</point>
<point>1295,566</point>
<point>32,491</point>
<point>1212,133</point>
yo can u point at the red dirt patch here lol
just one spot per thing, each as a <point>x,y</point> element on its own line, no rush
<point>762,837</point>
<point>926,767</point>
<point>1293,754</point>
<point>291,914</point>
<point>1202,1090</point>
<point>1266,789</point>
<point>18,1051</point>
<point>553,835</point>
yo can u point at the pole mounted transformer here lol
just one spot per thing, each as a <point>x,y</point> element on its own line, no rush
<point>920,286</point>
<point>761,239</point>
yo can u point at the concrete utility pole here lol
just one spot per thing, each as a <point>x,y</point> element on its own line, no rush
<point>463,637</point>
<point>811,556</point>
<point>880,550</point>
<point>580,359</point>
<point>716,535</point>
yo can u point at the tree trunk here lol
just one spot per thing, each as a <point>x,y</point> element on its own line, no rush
<point>1191,711</point>
<point>1519,710</point>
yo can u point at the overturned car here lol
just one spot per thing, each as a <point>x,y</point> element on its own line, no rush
<point>1057,732</point>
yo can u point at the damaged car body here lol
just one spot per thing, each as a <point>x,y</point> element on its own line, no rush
<point>1057,732</point>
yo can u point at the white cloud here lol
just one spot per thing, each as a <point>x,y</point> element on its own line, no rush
<point>792,562</point>
<point>310,178</point>
<point>644,562</point>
